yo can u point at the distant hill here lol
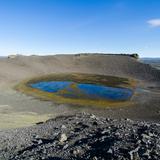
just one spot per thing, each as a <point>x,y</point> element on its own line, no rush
<point>155,62</point>
<point>13,70</point>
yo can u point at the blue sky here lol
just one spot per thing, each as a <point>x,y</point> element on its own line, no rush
<point>76,26</point>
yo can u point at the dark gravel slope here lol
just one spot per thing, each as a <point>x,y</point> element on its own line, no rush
<point>83,136</point>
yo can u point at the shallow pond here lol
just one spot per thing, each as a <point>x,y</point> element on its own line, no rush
<point>83,90</point>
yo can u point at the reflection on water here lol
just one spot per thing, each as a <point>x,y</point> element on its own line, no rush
<point>82,90</point>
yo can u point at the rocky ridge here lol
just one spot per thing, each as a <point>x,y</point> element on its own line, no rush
<point>83,136</point>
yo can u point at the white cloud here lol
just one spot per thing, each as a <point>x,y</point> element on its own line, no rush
<point>154,22</point>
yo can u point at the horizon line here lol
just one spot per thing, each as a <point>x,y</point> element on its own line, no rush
<point>75,53</point>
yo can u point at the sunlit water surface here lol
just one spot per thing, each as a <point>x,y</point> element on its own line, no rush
<point>83,90</point>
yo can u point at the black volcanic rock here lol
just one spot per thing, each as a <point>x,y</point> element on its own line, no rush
<point>83,136</point>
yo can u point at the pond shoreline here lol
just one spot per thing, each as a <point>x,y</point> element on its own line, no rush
<point>105,80</point>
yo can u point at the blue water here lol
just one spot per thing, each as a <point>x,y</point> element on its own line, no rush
<point>51,86</point>
<point>106,92</point>
<point>82,90</point>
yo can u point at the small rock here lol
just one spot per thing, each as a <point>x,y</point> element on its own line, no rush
<point>110,151</point>
<point>117,134</point>
<point>76,152</point>
<point>95,158</point>
<point>44,151</point>
<point>63,138</point>
<point>63,127</point>
<point>66,146</point>
<point>134,154</point>
<point>37,137</point>
<point>145,136</point>
<point>127,119</point>
<point>40,141</point>
<point>108,119</point>
<point>93,116</point>
<point>105,131</point>
<point>157,124</point>
<point>147,154</point>
<point>150,134</point>
<point>139,142</point>
<point>39,123</point>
